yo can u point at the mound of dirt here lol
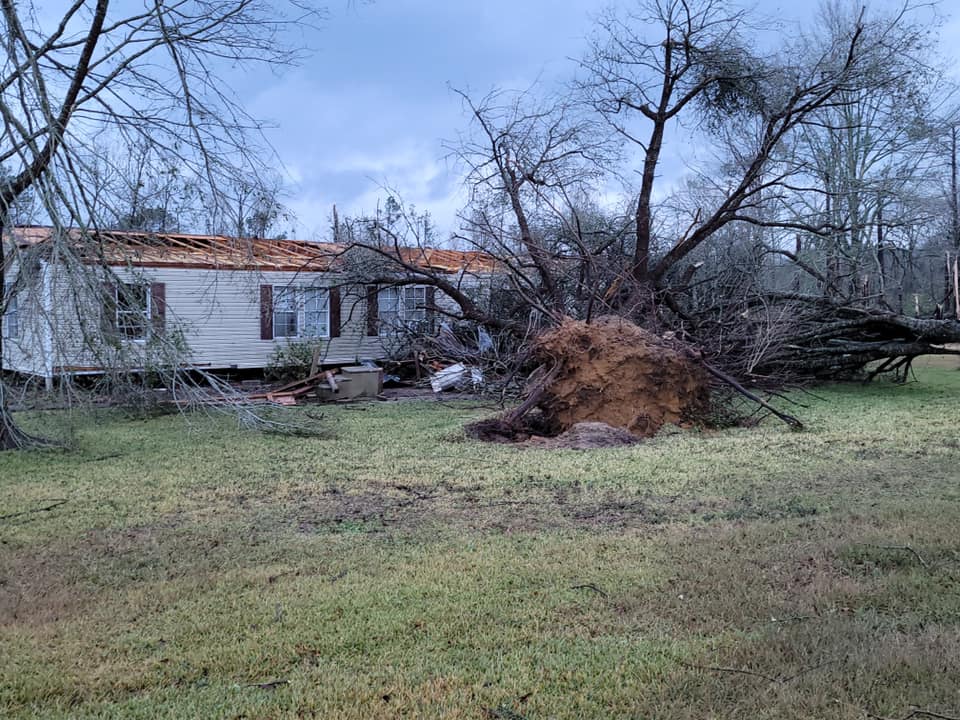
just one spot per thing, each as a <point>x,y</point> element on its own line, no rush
<point>587,436</point>
<point>612,371</point>
<point>495,430</point>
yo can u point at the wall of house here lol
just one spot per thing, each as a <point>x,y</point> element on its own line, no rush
<point>23,351</point>
<point>217,312</point>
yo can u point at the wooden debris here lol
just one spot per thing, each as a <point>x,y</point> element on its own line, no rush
<point>290,393</point>
<point>315,360</point>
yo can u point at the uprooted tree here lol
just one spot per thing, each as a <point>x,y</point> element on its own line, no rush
<point>106,75</point>
<point>804,241</point>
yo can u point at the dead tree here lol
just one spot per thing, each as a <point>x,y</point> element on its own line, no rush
<point>100,71</point>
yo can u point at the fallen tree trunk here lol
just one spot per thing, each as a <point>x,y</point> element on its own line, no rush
<point>794,338</point>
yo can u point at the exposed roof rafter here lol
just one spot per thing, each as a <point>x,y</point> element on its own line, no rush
<point>220,252</point>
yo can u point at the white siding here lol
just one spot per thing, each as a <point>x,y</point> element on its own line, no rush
<point>24,352</point>
<point>218,312</point>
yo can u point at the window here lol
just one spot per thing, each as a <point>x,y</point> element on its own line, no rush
<point>285,313</point>
<point>403,307</point>
<point>301,311</point>
<point>133,311</point>
<point>414,310</point>
<point>387,308</point>
<point>316,312</point>
<point>11,317</point>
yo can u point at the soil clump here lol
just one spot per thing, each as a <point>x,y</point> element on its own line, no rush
<point>608,372</point>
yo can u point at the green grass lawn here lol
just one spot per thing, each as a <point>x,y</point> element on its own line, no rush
<point>395,569</point>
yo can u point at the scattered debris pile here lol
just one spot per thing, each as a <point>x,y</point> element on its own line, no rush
<point>341,383</point>
<point>609,371</point>
<point>458,376</point>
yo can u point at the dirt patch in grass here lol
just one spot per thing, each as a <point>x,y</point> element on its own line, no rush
<point>63,578</point>
<point>406,508</point>
<point>67,577</point>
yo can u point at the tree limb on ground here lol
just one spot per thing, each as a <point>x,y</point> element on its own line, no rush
<point>57,502</point>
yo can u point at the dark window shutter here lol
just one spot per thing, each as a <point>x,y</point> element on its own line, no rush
<point>266,312</point>
<point>158,306</point>
<point>431,293</point>
<point>373,310</point>
<point>334,312</point>
<point>108,317</point>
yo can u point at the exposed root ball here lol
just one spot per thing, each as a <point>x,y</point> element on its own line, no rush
<point>494,430</point>
<point>611,371</point>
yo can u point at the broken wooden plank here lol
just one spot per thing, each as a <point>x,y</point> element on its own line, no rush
<point>310,380</point>
<point>299,387</point>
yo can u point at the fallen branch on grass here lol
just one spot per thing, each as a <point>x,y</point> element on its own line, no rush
<point>903,548</point>
<point>55,503</point>
<point>917,713</point>
<point>782,679</point>
<point>589,586</point>
<point>271,685</point>
<point>794,619</point>
<point>739,671</point>
<point>808,670</point>
<point>723,377</point>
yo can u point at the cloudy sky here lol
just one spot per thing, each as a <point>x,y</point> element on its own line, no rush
<point>372,104</point>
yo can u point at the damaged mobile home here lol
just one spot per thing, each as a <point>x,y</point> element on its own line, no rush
<point>125,299</point>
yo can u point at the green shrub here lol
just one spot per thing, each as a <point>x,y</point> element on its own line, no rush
<point>291,361</point>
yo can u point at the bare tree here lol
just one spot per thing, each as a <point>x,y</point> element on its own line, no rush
<point>871,154</point>
<point>153,76</point>
<point>821,146</point>
<point>700,70</point>
<point>531,168</point>
<point>249,206</point>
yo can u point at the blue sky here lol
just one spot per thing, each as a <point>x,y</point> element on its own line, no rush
<point>371,106</point>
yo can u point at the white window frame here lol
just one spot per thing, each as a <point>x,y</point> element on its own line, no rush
<point>310,307</point>
<point>388,309</point>
<point>399,307</point>
<point>284,305</point>
<point>11,314</point>
<point>120,312</point>
<point>316,318</point>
